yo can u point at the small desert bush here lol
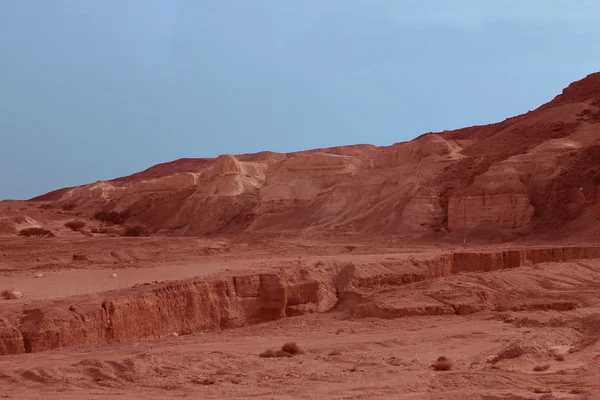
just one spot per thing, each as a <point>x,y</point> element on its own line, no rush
<point>282,354</point>
<point>540,368</point>
<point>559,357</point>
<point>442,364</point>
<point>134,231</point>
<point>75,225</point>
<point>289,349</point>
<point>68,207</point>
<point>35,232</point>
<point>292,348</point>
<point>111,217</point>
<point>270,353</point>
<point>6,293</point>
<point>350,248</point>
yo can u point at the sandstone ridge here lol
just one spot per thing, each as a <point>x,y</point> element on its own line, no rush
<point>520,175</point>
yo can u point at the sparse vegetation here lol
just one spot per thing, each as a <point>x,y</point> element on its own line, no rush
<point>540,368</point>
<point>335,353</point>
<point>75,226</point>
<point>6,293</point>
<point>270,353</point>
<point>134,231</point>
<point>111,217</point>
<point>289,349</point>
<point>559,357</point>
<point>68,207</point>
<point>35,232</point>
<point>350,248</point>
<point>292,348</point>
<point>282,354</point>
<point>80,257</point>
<point>442,364</point>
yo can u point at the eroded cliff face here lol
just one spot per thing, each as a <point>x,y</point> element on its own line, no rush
<point>156,311</point>
<point>413,286</point>
<point>504,174</point>
<point>503,209</point>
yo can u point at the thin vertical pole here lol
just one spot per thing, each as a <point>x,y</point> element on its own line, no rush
<point>464,221</point>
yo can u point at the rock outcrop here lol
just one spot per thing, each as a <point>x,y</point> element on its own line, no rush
<point>157,311</point>
<point>152,312</point>
<point>510,175</point>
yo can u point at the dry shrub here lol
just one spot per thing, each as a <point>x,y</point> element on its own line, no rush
<point>134,231</point>
<point>442,364</point>
<point>287,350</point>
<point>75,225</point>
<point>335,353</point>
<point>111,217</point>
<point>281,354</point>
<point>35,232</point>
<point>292,348</point>
<point>68,207</point>
<point>80,257</point>
<point>559,357</point>
<point>6,293</point>
<point>540,368</point>
<point>270,353</point>
<point>350,248</point>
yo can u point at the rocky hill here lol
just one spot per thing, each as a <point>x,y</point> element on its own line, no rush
<point>537,173</point>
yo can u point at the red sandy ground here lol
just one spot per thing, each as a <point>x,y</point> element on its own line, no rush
<point>493,353</point>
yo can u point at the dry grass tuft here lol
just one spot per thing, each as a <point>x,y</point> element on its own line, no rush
<point>292,348</point>
<point>540,368</point>
<point>442,364</point>
<point>6,293</point>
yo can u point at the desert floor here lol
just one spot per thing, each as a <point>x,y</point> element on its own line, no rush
<point>532,353</point>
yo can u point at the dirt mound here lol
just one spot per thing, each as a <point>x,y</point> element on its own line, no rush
<point>13,225</point>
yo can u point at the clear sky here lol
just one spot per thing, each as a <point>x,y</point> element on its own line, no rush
<point>95,89</point>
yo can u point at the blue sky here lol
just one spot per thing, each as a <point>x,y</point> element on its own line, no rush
<point>95,89</point>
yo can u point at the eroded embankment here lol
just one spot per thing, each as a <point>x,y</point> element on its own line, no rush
<point>463,283</point>
<point>156,311</point>
<point>200,305</point>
